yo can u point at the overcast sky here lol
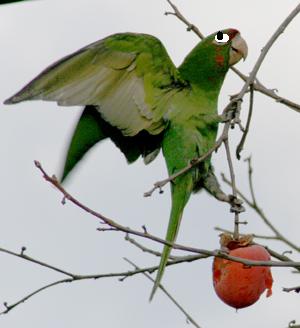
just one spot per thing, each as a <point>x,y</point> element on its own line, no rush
<point>35,34</point>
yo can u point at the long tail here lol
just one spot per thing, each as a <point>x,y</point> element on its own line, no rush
<point>181,192</point>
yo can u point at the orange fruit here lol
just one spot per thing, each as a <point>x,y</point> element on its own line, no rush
<point>239,285</point>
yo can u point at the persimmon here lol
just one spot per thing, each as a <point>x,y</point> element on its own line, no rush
<point>239,285</point>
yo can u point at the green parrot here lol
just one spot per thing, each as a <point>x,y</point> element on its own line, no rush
<point>134,95</point>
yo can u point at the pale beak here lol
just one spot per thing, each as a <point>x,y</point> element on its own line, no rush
<point>238,50</point>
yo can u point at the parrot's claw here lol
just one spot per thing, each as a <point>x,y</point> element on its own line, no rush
<point>223,118</point>
<point>236,204</point>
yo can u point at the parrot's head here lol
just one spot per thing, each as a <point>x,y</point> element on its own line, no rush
<point>208,63</point>
<point>228,44</point>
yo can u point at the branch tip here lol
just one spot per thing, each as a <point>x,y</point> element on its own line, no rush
<point>37,164</point>
<point>23,249</point>
<point>145,229</point>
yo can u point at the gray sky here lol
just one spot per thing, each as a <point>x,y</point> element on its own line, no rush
<point>35,34</point>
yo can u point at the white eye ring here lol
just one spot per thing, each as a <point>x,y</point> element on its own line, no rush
<point>221,37</point>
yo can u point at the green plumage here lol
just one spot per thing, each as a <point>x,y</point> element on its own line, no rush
<point>135,95</point>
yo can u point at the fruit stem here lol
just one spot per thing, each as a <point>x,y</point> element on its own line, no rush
<point>236,226</point>
<point>234,191</point>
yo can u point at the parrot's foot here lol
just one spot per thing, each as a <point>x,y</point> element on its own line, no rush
<point>223,118</point>
<point>211,184</point>
<point>230,114</point>
<point>236,204</point>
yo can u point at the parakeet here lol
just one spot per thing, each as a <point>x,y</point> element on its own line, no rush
<point>134,95</point>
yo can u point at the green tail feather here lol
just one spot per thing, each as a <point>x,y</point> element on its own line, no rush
<point>181,192</point>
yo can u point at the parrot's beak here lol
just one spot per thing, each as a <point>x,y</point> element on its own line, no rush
<point>238,49</point>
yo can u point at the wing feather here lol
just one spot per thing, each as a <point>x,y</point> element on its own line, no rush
<point>128,77</point>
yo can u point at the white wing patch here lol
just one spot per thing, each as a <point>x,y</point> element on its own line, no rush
<point>124,106</point>
<point>119,95</point>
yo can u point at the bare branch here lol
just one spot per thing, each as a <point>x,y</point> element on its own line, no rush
<point>122,275</point>
<point>279,256</point>
<point>250,179</point>
<point>190,27</point>
<point>30,259</point>
<point>76,277</point>
<point>271,93</point>
<point>292,289</point>
<point>217,253</point>
<point>24,299</point>
<point>186,258</point>
<point>146,249</point>
<point>266,49</point>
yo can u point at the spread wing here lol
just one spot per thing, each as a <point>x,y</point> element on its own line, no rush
<point>128,77</point>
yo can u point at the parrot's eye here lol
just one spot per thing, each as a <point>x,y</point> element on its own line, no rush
<point>221,37</point>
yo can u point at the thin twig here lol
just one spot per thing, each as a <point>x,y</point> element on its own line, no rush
<point>146,249</point>
<point>188,316</point>
<point>266,49</point>
<point>111,223</point>
<point>241,144</point>
<point>278,256</point>
<point>250,179</point>
<point>171,258</point>
<point>271,93</point>
<point>291,289</point>
<point>24,299</point>
<point>75,277</point>
<point>190,27</point>
<point>30,259</point>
